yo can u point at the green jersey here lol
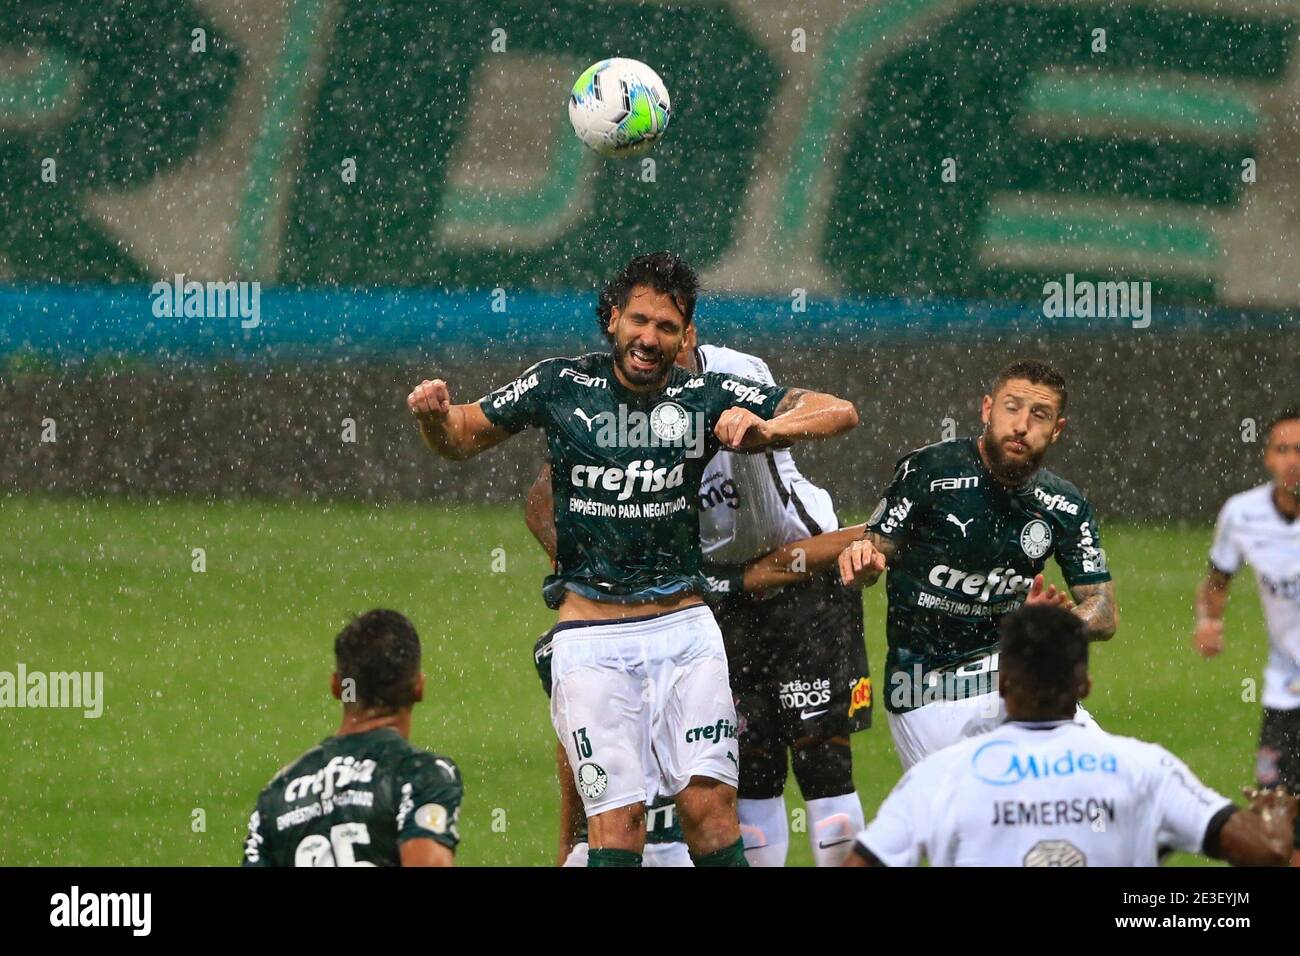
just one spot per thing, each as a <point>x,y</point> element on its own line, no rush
<point>661,824</point>
<point>625,470</point>
<point>353,800</point>
<point>968,549</point>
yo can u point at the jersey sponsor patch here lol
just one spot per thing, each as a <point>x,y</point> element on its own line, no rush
<point>432,817</point>
<point>1055,853</point>
<point>860,695</point>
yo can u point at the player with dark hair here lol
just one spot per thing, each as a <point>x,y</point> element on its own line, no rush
<point>1260,528</point>
<point>1046,789</point>
<point>796,655</point>
<point>641,699</point>
<point>965,530</point>
<point>366,796</point>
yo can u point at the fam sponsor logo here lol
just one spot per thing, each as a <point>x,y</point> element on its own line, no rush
<point>1056,502</point>
<point>955,484</point>
<point>582,378</point>
<point>860,695</point>
<point>76,690</point>
<point>514,391</point>
<point>723,729</point>
<point>667,425</point>
<point>744,392</point>
<point>75,908</point>
<point>1003,763</point>
<point>982,587</point>
<point>1086,299</point>
<point>208,300</point>
<point>624,480</point>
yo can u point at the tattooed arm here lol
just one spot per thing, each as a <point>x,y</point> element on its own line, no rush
<point>1095,604</point>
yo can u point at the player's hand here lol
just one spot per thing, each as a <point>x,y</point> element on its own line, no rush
<point>861,564</point>
<point>739,429</point>
<point>1208,637</point>
<point>429,400</point>
<point>1274,804</point>
<point>1048,595</point>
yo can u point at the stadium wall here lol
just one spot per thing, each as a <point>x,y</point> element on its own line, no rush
<point>1160,427</point>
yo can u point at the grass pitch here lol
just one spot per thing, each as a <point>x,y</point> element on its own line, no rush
<point>214,680</point>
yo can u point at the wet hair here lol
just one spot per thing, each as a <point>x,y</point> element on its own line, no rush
<point>1036,372</point>
<point>1286,415</point>
<point>1044,650</point>
<point>380,651</point>
<point>664,272</point>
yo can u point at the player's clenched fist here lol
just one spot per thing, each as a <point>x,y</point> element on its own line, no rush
<point>741,430</point>
<point>861,563</point>
<point>1208,638</point>
<point>429,399</point>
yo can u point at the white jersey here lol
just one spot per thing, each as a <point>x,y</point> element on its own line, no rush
<point>753,504</point>
<point>1050,794</point>
<point>1252,530</point>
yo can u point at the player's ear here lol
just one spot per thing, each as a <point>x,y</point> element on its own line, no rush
<point>688,337</point>
<point>613,319</point>
<point>1060,427</point>
<point>336,686</point>
<point>986,409</point>
<point>417,693</point>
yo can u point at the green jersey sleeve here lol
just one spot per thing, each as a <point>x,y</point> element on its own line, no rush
<point>727,391</point>
<point>429,801</point>
<point>256,847</point>
<point>522,403</point>
<point>1079,552</point>
<point>895,511</point>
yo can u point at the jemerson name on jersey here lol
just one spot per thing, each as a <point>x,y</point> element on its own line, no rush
<point>968,551</point>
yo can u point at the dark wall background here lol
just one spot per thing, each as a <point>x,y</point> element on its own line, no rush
<point>1155,426</point>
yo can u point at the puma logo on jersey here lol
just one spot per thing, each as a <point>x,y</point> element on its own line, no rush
<point>583,415</point>
<point>959,523</point>
<point>907,470</point>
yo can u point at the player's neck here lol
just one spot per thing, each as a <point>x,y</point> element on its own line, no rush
<point>1287,503</point>
<point>622,380</point>
<point>363,723</point>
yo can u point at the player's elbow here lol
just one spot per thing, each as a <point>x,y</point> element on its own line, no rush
<point>845,414</point>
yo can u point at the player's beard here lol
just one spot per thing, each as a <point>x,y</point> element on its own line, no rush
<point>655,376</point>
<point>1012,472</point>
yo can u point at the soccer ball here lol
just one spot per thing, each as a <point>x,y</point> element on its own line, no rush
<point>619,107</point>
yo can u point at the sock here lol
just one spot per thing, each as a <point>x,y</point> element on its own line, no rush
<point>604,856</point>
<point>834,822</point>
<point>765,830</point>
<point>733,855</point>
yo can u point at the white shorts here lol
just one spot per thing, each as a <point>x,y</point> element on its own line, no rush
<point>919,733</point>
<point>655,854</point>
<point>642,705</point>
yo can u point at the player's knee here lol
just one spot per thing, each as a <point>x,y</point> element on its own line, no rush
<point>762,772</point>
<point>708,811</point>
<point>823,767</point>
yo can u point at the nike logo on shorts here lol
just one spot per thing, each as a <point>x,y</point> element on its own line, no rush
<point>826,846</point>
<point>810,714</point>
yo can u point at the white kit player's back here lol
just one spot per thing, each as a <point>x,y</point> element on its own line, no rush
<point>1052,794</point>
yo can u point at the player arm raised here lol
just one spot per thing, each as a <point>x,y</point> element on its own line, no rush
<point>455,432</point>
<point>799,416</point>
<point>1211,603</point>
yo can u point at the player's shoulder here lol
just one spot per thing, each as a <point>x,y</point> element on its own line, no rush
<point>728,361</point>
<point>426,766</point>
<point>1250,504</point>
<point>957,456</point>
<point>1059,496</point>
<point>589,364</point>
<point>309,760</point>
